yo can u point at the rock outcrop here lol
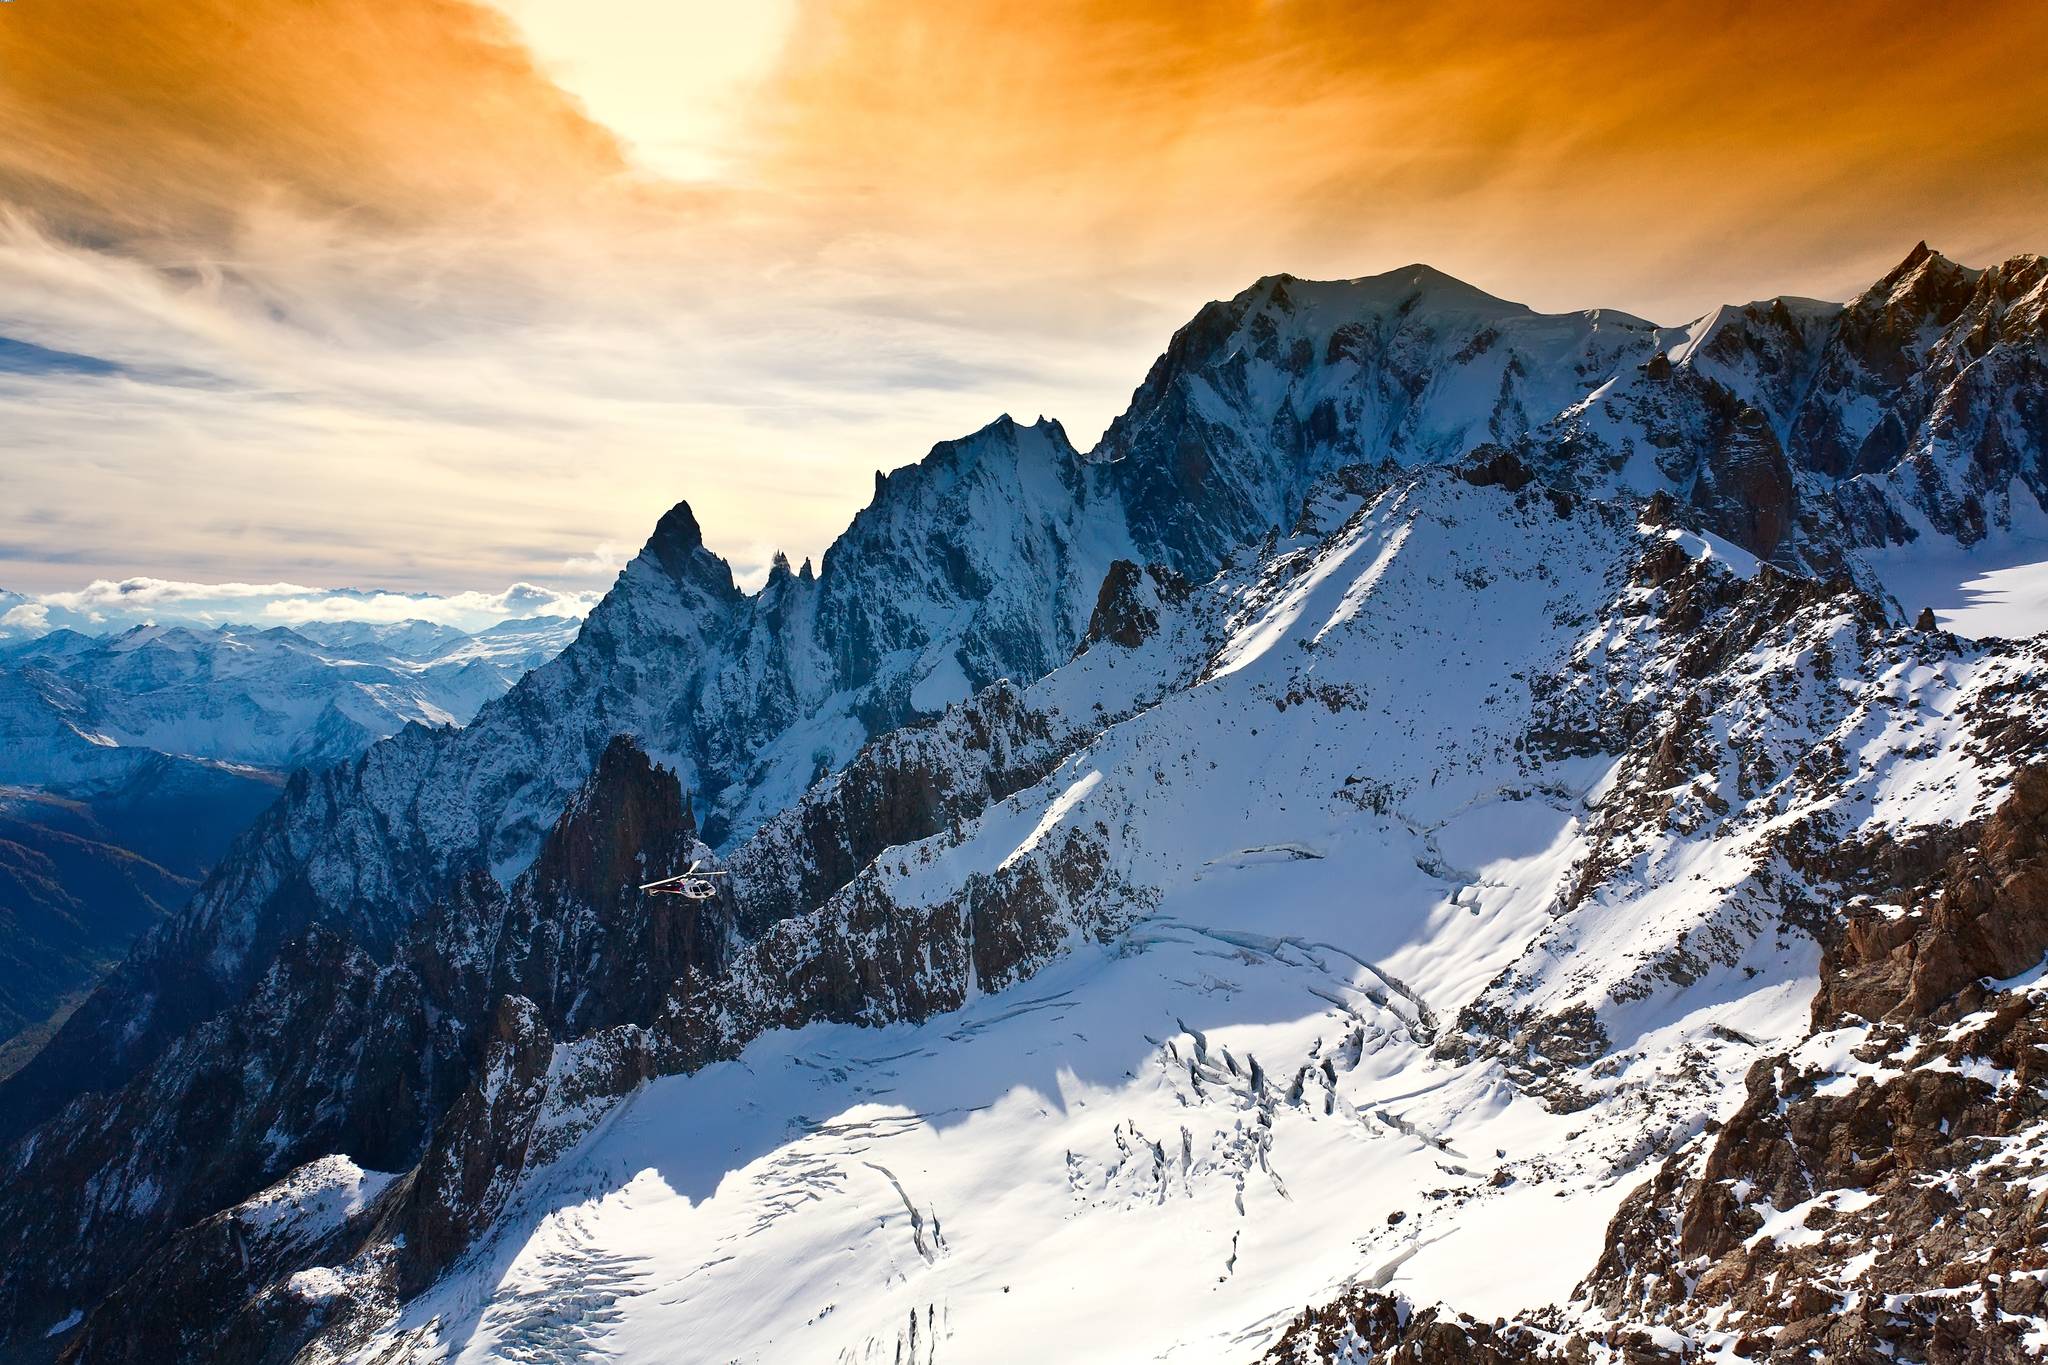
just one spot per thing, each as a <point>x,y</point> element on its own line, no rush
<point>1876,1196</point>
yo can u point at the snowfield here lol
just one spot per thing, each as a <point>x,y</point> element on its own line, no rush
<point>1235,1092</point>
<point>1141,1153</point>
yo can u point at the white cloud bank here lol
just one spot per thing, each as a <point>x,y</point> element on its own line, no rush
<point>106,606</point>
<point>30,618</point>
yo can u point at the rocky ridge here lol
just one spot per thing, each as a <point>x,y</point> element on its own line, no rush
<point>1696,700</point>
<point>983,561</point>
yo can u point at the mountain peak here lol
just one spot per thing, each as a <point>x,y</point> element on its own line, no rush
<point>1422,272</point>
<point>677,549</point>
<point>676,531</point>
<point>1920,254</point>
<point>1392,292</point>
<point>1924,279</point>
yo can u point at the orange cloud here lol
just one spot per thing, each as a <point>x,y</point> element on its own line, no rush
<point>164,120</point>
<point>1569,153</point>
<point>1656,155</point>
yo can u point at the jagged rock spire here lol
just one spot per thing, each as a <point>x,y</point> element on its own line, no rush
<point>677,545</point>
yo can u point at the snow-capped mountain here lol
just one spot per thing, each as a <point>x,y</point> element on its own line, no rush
<point>1799,430</point>
<point>981,562</point>
<point>515,646</point>
<point>1367,891</point>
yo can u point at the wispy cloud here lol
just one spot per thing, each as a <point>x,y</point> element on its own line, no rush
<point>469,610</point>
<point>606,558</point>
<point>143,593</point>
<point>426,447</point>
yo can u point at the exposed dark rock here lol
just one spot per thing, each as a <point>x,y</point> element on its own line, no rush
<point>678,546</point>
<point>1127,607</point>
<point>581,940</point>
<point>1745,488</point>
<point>902,788</point>
<point>1661,510</point>
<point>1985,916</point>
<point>1122,614</point>
<point>1367,1325</point>
<point>479,1150</point>
<point>1491,466</point>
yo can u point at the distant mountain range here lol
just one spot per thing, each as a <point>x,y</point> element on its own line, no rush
<point>273,698</point>
<point>1357,837</point>
<point>128,761</point>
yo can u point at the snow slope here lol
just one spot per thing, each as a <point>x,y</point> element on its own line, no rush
<point>1267,1063</point>
<point>1998,586</point>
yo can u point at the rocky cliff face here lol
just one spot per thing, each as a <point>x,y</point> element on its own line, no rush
<point>337,1049</point>
<point>1584,754</point>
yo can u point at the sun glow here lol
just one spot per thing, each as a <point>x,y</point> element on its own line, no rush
<point>670,79</point>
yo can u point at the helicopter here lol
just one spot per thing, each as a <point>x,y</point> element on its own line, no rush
<point>693,884</point>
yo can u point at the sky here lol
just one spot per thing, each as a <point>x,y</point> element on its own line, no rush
<point>442,296</point>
